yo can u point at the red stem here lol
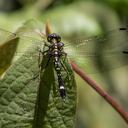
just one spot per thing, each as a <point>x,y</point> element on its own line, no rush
<point>101,92</point>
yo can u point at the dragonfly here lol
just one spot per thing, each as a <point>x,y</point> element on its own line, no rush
<point>111,47</point>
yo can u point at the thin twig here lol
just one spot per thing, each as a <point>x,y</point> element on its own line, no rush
<point>104,94</point>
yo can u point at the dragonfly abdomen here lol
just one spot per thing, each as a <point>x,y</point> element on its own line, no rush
<point>57,65</point>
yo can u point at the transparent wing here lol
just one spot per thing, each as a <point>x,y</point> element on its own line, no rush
<point>28,34</point>
<point>101,53</point>
<point>28,31</point>
<point>5,36</point>
<point>31,30</point>
<point>31,36</point>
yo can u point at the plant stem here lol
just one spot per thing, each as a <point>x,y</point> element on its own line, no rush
<point>101,92</point>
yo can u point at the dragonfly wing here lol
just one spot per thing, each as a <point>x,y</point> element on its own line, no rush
<point>27,31</point>
<point>30,36</point>
<point>27,37</point>
<point>6,36</point>
<point>31,29</point>
<point>107,51</point>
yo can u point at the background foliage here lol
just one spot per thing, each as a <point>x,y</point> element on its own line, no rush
<point>79,18</point>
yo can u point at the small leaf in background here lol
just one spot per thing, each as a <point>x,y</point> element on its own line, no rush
<point>7,51</point>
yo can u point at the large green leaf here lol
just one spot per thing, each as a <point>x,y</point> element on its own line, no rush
<point>18,94</point>
<point>27,101</point>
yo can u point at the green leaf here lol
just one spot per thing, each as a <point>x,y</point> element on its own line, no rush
<point>28,102</point>
<point>7,51</point>
<point>18,91</point>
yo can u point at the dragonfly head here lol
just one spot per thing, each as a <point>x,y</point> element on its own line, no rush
<point>52,37</point>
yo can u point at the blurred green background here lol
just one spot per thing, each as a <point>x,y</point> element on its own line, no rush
<point>74,18</point>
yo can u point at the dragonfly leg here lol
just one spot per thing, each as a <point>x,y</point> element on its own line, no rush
<point>64,54</point>
<point>39,63</point>
<point>41,53</point>
<point>48,61</point>
<point>39,59</point>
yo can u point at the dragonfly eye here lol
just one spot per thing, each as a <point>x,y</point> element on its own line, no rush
<point>49,38</point>
<point>53,36</point>
<point>57,37</point>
